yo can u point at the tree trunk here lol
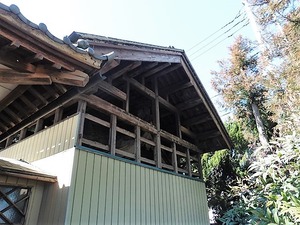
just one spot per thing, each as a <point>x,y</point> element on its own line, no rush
<point>259,125</point>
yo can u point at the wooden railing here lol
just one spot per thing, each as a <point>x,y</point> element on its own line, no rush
<point>140,142</point>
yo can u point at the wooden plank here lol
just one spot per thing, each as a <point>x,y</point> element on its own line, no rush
<point>181,153</point>
<point>166,148</point>
<point>109,65</point>
<point>112,90</point>
<point>112,134</point>
<point>197,120</point>
<point>123,153</point>
<point>126,132</point>
<point>58,115</point>
<point>95,144</point>
<point>178,140</point>
<point>149,142</point>
<point>28,103</point>
<point>157,113</point>
<point>168,70</point>
<point>149,161</point>
<point>166,166</point>
<point>97,120</point>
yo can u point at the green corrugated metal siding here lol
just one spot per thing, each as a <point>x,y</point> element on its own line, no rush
<point>35,195</point>
<point>109,191</point>
<point>46,143</point>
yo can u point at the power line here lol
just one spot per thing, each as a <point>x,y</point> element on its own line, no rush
<point>236,24</point>
<point>230,22</point>
<point>246,24</point>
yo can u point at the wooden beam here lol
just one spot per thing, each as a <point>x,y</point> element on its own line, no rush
<point>38,95</point>
<point>115,73</point>
<point>76,78</point>
<point>188,132</point>
<point>15,77</point>
<point>127,96</point>
<point>12,96</point>
<point>156,70</point>
<point>175,88</point>
<point>112,90</point>
<point>12,115</point>
<point>142,69</point>
<point>28,103</point>
<point>208,135</point>
<point>150,93</point>
<point>157,154</point>
<point>120,113</point>
<point>207,103</point>
<point>35,58</point>
<point>44,77</point>
<point>15,62</point>
<point>197,120</point>
<point>168,70</point>
<point>188,104</point>
<point>81,109</point>
<point>109,65</point>
<point>62,100</point>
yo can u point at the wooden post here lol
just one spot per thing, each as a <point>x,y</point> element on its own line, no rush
<point>81,110</point>
<point>157,124</point>
<point>39,125</point>
<point>137,144</point>
<point>113,134</point>
<point>58,115</point>
<point>8,141</point>
<point>200,166</point>
<point>188,162</point>
<point>174,157</point>
<point>127,96</point>
<point>178,125</point>
<point>23,133</point>
<point>157,151</point>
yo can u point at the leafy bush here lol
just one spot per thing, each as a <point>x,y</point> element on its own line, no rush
<point>274,191</point>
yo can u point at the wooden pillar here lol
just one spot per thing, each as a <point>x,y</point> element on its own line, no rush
<point>188,162</point>
<point>23,133</point>
<point>39,125</point>
<point>157,124</point>
<point>113,134</point>
<point>8,141</point>
<point>127,96</point>
<point>178,125</point>
<point>137,144</point>
<point>200,166</point>
<point>81,109</point>
<point>174,157</point>
<point>58,115</point>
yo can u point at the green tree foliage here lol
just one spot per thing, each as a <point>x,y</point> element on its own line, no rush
<point>223,169</point>
<point>241,86</point>
<point>270,192</point>
<point>274,194</point>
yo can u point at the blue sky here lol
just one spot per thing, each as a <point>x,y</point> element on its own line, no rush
<point>177,23</point>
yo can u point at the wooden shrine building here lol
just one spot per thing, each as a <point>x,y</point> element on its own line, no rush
<point>118,128</point>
